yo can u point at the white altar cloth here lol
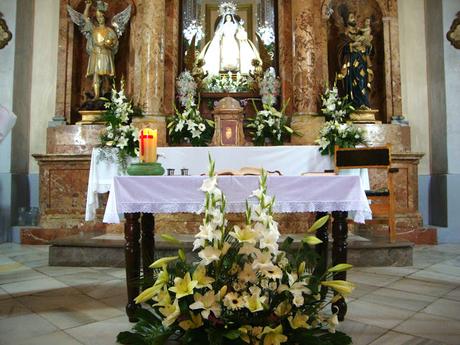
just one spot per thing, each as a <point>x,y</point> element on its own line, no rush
<point>171,194</point>
<point>289,160</point>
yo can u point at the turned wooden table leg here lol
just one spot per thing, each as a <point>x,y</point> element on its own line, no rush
<point>132,262</point>
<point>322,248</point>
<point>339,254</point>
<point>148,247</point>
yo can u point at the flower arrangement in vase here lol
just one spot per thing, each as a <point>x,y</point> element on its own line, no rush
<point>336,131</point>
<point>188,125</point>
<point>269,126</point>
<point>119,133</point>
<point>246,288</point>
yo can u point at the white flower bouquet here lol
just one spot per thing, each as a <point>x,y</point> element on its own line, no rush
<point>270,87</point>
<point>190,126</point>
<point>186,88</point>
<point>226,83</point>
<point>119,132</point>
<point>335,131</point>
<point>245,288</point>
<point>269,125</point>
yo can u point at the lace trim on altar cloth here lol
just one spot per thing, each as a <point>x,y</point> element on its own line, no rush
<point>360,214</point>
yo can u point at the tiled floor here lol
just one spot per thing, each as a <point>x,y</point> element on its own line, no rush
<point>39,304</point>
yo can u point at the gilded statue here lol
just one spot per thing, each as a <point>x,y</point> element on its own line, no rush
<point>101,42</point>
<point>354,53</point>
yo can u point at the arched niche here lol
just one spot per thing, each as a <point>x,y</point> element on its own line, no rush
<point>363,9</point>
<point>72,82</point>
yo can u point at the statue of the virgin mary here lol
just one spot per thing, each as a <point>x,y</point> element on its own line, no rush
<point>230,49</point>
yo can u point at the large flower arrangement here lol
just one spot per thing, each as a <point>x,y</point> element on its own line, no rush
<point>226,83</point>
<point>270,87</point>
<point>336,131</point>
<point>119,132</point>
<point>189,126</point>
<point>245,288</point>
<point>269,125</point>
<point>186,88</point>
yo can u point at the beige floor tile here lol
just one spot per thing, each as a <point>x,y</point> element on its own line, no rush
<point>54,271</point>
<point>445,269</point>
<point>115,272</point>
<point>55,338</point>
<point>12,308</point>
<point>444,308</point>
<point>100,333</point>
<point>34,286</point>
<point>399,299</point>
<point>105,289</point>
<point>361,333</point>
<point>432,327</point>
<point>454,294</point>
<point>395,338</point>
<point>18,274</point>
<point>421,287</point>
<point>85,279</point>
<point>362,289</point>
<point>65,312</point>
<point>16,329</point>
<point>436,277</point>
<point>4,295</point>
<point>391,271</point>
<point>371,278</point>
<point>377,315</point>
<point>118,301</point>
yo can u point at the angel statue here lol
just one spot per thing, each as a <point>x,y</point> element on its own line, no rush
<point>101,41</point>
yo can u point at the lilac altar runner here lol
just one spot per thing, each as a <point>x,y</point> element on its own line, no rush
<point>173,194</point>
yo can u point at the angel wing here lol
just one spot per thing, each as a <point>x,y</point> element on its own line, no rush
<point>264,55</point>
<point>120,20</point>
<point>79,20</point>
<point>190,57</point>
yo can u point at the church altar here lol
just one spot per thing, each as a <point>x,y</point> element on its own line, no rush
<point>289,160</point>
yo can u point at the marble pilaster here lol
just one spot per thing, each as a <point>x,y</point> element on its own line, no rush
<point>148,42</point>
<point>307,56</point>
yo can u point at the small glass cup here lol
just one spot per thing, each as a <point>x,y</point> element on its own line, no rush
<point>171,172</point>
<point>184,172</point>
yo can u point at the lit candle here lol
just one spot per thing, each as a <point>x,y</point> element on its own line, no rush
<point>148,145</point>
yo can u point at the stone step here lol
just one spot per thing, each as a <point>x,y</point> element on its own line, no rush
<point>108,250</point>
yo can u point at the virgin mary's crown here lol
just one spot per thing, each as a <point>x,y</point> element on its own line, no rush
<point>227,7</point>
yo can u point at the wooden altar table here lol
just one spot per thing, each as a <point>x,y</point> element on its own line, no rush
<point>140,197</point>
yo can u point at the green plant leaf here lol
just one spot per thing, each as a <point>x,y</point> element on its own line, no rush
<point>129,338</point>
<point>319,223</point>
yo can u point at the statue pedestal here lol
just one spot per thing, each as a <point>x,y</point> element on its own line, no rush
<point>309,126</point>
<point>363,116</point>
<point>228,118</point>
<point>91,117</point>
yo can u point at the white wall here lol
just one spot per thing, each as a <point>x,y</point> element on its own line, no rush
<point>414,76</point>
<point>452,77</point>
<point>44,74</point>
<point>8,8</point>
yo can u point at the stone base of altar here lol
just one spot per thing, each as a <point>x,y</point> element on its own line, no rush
<point>108,250</point>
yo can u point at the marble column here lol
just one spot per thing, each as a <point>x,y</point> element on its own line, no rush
<point>307,70</point>
<point>148,42</point>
